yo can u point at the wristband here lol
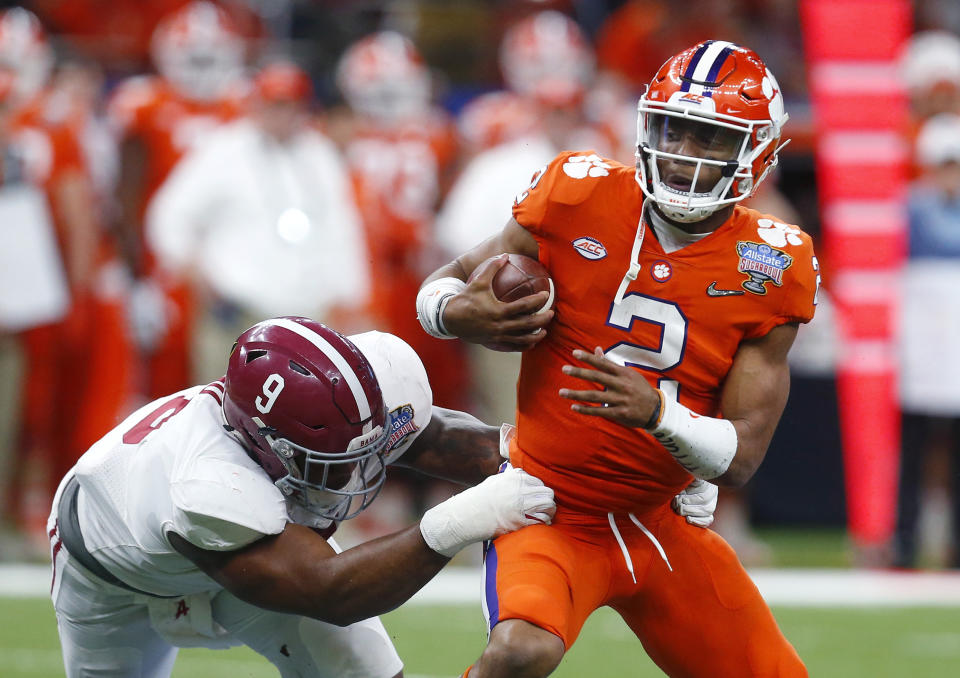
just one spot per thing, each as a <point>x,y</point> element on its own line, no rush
<point>657,411</point>
<point>704,446</point>
<point>431,300</point>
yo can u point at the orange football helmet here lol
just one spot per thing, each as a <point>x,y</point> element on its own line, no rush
<point>199,51</point>
<point>547,56</point>
<point>713,106</point>
<point>495,118</point>
<point>26,57</point>
<point>384,76</point>
<point>283,80</point>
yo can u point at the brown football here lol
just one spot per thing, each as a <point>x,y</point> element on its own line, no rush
<point>521,276</point>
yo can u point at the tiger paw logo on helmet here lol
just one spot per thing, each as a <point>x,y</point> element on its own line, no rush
<point>582,166</point>
<point>777,234</point>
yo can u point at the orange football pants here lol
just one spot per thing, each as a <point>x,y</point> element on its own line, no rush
<point>694,608</point>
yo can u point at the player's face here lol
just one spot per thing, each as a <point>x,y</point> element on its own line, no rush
<point>282,119</point>
<point>682,136</point>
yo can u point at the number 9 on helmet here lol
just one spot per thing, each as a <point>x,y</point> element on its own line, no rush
<point>305,404</point>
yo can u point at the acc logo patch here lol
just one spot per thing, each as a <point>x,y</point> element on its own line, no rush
<point>762,264</point>
<point>401,425</point>
<point>661,271</point>
<point>589,248</point>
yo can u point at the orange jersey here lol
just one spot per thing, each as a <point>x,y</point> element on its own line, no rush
<point>398,175</point>
<point>49,150</point>
<point>680,323</point>
<point>149,108</point>
<point>43,153</point>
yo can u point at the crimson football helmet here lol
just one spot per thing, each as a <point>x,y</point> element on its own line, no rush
<point>305,403</point>
<point>713,109</point>
<point>199,51</point>
<point>383,76</point>
<point>547,56</point>
<point>26,58</point>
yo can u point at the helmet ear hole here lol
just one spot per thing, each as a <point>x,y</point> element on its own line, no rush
<point>252,440</point>
<point>297,367</point>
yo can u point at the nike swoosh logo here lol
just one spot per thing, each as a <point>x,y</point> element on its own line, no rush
<point>712,291</point>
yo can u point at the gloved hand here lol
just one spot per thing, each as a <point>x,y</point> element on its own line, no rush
<point>502,503</point>
<point>697,502</point>
<point>147,314</point>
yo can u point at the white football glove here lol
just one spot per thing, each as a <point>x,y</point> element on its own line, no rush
<point>500,504</point>
<point>697,502</point>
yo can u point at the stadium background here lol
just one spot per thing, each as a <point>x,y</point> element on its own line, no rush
<point>799,503</point>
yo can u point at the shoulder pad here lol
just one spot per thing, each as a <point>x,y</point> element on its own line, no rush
<point>225,506</point>
<point>572,176</point>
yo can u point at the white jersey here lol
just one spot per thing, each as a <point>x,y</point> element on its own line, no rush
<point>242,202</point>
<point>170,466</point>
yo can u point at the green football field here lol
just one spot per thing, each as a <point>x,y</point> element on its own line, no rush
<point>440,641</point>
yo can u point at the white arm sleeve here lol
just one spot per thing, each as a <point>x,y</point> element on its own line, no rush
<point>704,446</point>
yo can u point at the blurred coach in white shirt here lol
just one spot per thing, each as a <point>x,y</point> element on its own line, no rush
<point>261,217</point>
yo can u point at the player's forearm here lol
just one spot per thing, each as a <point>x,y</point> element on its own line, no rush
<point>751,449</point>
<point>456,446</point>
<point>297,572</point>
<point>450,270</point>
<point>372,578</point>
<point>75,205</point>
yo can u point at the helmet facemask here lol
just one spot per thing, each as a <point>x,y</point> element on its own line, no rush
<point>330,485</point>
<point>686,187</point>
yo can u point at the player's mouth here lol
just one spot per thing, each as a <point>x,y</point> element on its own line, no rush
<point>678,182</point>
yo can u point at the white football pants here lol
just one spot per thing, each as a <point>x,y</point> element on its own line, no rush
<point>108,632</point>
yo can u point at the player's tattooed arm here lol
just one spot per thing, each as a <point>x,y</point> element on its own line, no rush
<point>455,446</point>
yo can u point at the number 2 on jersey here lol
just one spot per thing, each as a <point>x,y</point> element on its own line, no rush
<point>673,340</point>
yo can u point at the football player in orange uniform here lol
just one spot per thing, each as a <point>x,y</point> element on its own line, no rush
<point>200,58</point>
<point>663,361</point>
<point>47,188</point>
<point>400,150</point>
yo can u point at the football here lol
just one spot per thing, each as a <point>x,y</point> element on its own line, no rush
<point>521,276</point>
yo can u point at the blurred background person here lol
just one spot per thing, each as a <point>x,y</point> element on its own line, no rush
<point>260,219</point>
<point>930,67</point>
<point>200,84</point>
<point>400,149</point>
<point>547,64</point>
<point>68,310</point>
<point>929,491</point>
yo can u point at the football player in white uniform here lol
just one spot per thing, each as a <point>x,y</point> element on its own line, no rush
<point>204,518</point>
